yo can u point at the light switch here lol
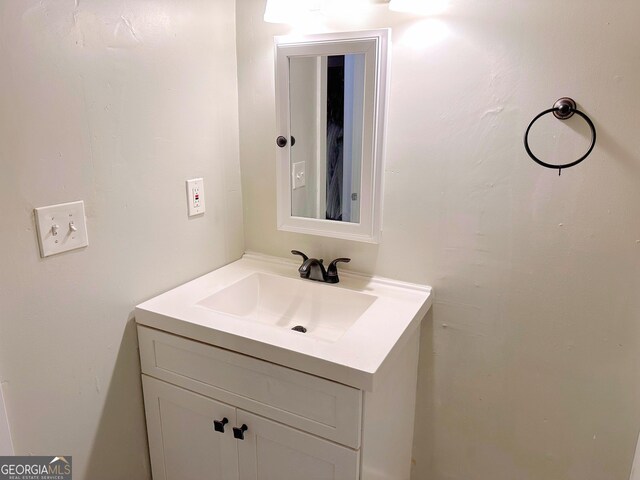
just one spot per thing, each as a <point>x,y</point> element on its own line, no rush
<point>298,180</point>
<point>61,228</point>
<point>195,196</point>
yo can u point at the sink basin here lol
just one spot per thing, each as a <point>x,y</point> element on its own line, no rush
<point>251,306</point>
<point>323,311</point>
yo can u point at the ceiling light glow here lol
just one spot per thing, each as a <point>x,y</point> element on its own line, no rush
<point>420,7</point>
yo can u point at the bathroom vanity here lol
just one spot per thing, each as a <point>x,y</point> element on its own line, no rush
<point>231,391</point>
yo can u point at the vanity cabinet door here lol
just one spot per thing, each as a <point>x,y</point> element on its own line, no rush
<point>182,440</point>
<point>272,451</point>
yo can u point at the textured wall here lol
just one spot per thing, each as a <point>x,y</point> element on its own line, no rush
<point>6,446</point>
<point>529,362</point>
<point>116,103</point>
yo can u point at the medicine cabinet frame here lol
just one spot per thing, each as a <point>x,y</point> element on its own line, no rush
<point>374,44</point>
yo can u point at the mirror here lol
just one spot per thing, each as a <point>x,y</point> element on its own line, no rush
<point>330,97</point>
<point>326,100</point>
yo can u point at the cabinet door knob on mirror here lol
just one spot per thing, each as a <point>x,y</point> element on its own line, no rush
<point>218,425</point>
<point>239,432</point>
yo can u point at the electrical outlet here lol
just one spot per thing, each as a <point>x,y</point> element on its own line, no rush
<point>195,196</point>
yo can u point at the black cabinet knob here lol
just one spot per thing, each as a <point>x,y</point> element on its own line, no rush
<point>281,141</point>
<point>239,432</point>
<point>218,425</point>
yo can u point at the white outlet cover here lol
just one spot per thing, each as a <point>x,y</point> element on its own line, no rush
<point>61,228</point>
<point>195,196</point>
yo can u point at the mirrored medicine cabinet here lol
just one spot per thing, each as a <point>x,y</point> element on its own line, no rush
<point>330,106</point>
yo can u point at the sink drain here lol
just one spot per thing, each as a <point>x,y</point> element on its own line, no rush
<point>299,328</point>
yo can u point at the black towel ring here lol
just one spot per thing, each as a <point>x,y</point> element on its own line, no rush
<point>563,109</point>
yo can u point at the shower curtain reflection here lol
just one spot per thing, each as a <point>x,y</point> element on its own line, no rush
<point>335,135</point>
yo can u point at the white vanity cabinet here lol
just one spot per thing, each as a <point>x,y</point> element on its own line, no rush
<point>184,444</point>
<point>182,440</point>
<point>274,451</point>
<point>298,426</point>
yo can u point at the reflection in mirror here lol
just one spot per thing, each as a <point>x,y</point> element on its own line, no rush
<point>326,107</point>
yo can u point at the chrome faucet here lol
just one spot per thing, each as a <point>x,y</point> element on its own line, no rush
<point>313,269</point>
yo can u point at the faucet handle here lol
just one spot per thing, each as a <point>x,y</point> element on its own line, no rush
<point>335,262</point>
<point>332,271</point>
<point>297,252</point>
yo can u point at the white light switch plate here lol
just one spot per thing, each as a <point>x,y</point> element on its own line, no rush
<point>298,174</point>
<point>195,196</point>
<point>61,228</point>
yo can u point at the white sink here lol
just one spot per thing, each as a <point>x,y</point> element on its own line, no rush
<point>324,312</point>
<point>251,305</point>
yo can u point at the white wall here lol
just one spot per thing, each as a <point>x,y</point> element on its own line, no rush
<point>529,360</point>
<point>635,470</point>
<point>116,103</point>
<point>6,446</point>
